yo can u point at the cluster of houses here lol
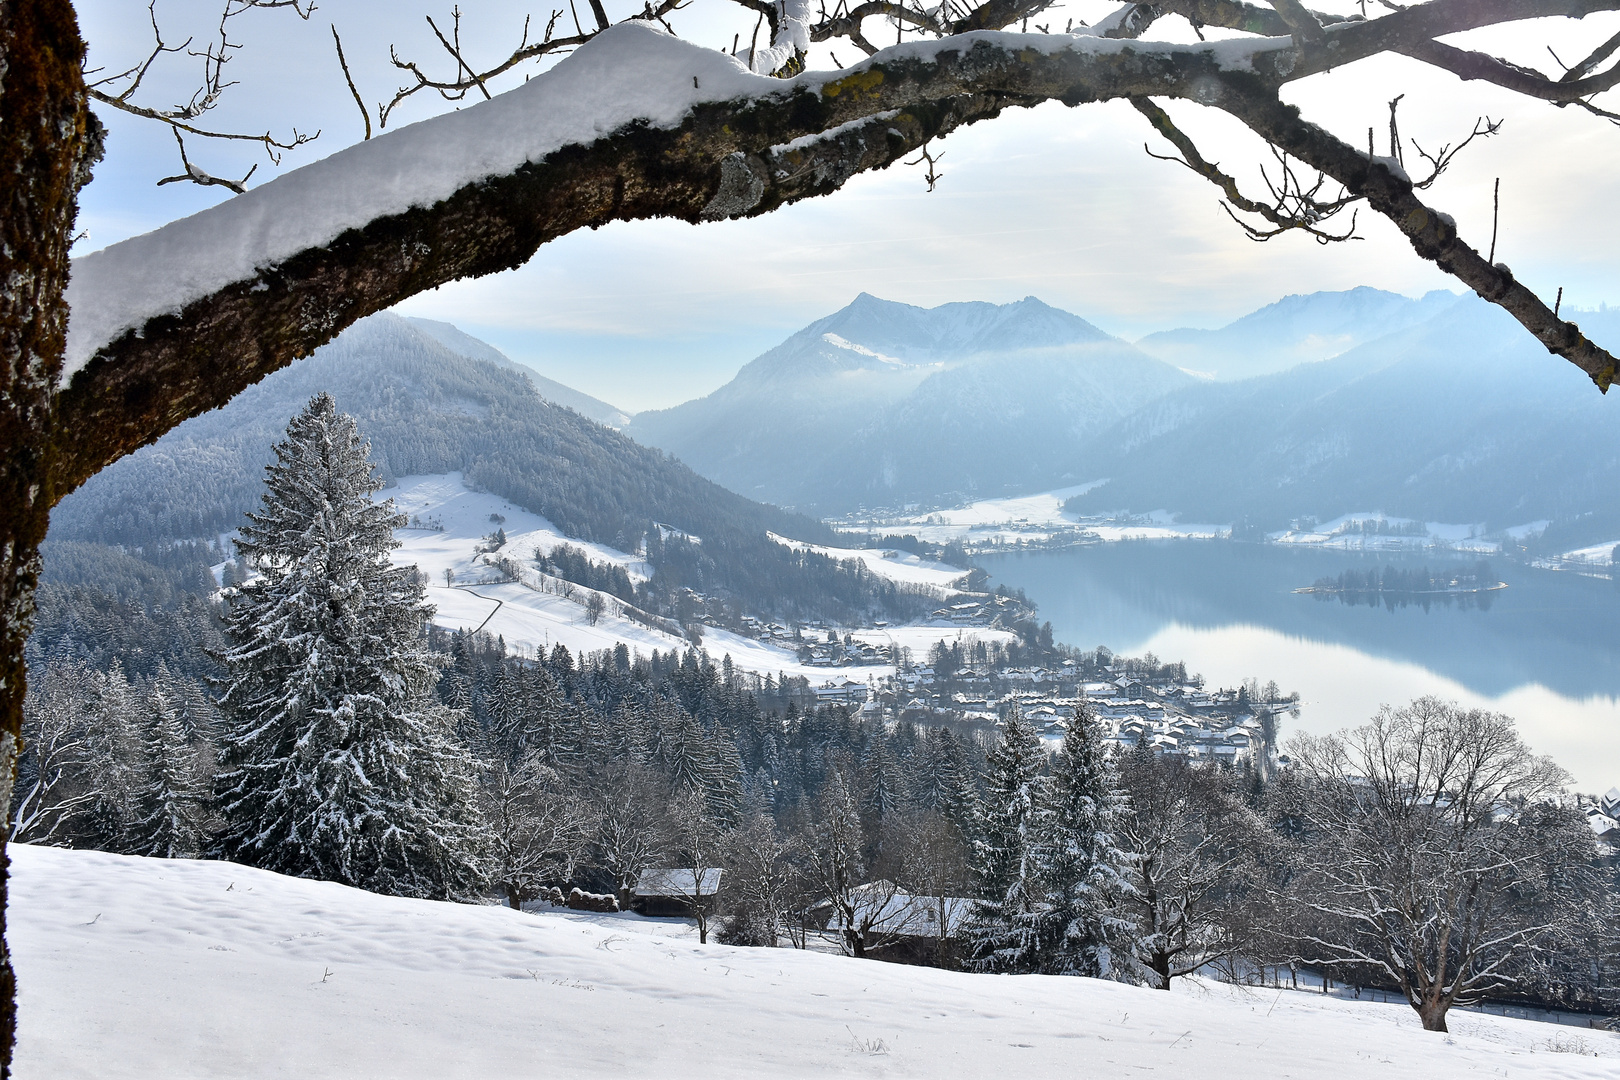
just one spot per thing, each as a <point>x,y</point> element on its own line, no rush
<point>979,610</point>
<point>1206,725</point>
<point>818,646</point>
<point>1604,818</point>
<point>881,919</point>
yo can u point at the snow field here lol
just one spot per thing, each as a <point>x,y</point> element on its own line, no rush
<point>135,967</point>
<point>1335,534</point>
<point>898,566</point>
<point>532,621</point>
<point>1042,508</point>
<point>1040,517</point>
<point>1596,554</point>
<point>465,515</point>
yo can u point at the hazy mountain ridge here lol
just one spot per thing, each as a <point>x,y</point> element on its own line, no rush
<point>1462,418</point>
<point>1296,329</point>
<point>459,341</point>
<point>885,402</point>
<point>1442,409</point>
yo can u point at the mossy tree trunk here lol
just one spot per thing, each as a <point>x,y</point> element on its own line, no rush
<point>48,140</point>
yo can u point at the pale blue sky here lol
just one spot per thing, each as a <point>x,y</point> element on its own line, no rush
<point>1059,203</point>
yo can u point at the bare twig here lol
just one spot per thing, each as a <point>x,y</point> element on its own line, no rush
<point>933,176</point>
<point>470,77</point>
<point>197,176</point>
<point>1294,206</point>
<point>1395,133</point>
<point>119,91</point>
<point>1442,158</point>
<point>1496,208</point>
<point>455,50</point>
<point>344,64</point>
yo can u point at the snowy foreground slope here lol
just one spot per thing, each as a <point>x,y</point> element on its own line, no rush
<point>145,967</point>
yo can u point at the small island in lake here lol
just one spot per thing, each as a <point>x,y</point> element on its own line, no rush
<point>1393,586</point>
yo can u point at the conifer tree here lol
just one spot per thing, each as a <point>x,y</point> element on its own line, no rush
<point>1083,868</point>
<point>883,786</point>
<point>336,763</point>
<point>114,759</point>
<point>1004,932</point>
<point>173,806</point>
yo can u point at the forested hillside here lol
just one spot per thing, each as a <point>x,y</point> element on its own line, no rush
<point>429,409</point>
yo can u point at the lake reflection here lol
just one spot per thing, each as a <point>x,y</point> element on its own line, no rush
<point>1544,649</point>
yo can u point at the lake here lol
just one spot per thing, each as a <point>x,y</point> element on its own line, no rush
<point>1545,650</point>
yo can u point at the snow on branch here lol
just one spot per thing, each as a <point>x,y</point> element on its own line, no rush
<point>633,75</point>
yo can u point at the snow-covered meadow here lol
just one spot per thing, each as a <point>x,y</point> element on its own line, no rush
<point>1041,518</point>
<point>897,566</point>
<point>531,620</point>
<point>1037,518</point>
<point>143,967</point>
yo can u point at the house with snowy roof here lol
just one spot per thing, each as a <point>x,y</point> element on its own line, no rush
<point>848,692</point>
<point>894,924</point>
<point>674,892</point>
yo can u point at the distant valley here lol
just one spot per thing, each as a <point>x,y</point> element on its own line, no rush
<point>660,543</point>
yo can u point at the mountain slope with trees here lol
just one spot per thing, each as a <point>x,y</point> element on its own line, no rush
<point>459,341</point>
<point>428,409</point>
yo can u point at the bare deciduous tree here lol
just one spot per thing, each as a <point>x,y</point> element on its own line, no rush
<point>764,881</point>
<point>630,833</point>
<point>1190,840</point>
<point>538,827</point>
<point>935,868</point>
<point>838,864</point>
<point>699,845</point>
<point>55,776</point>
<point>1437,855</point>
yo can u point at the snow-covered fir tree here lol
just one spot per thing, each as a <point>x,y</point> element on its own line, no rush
<point>1084,870</point>
<point>114,759</point>
<point>172,808</point>
<point>337,763</point>
<point>1004,934</point>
